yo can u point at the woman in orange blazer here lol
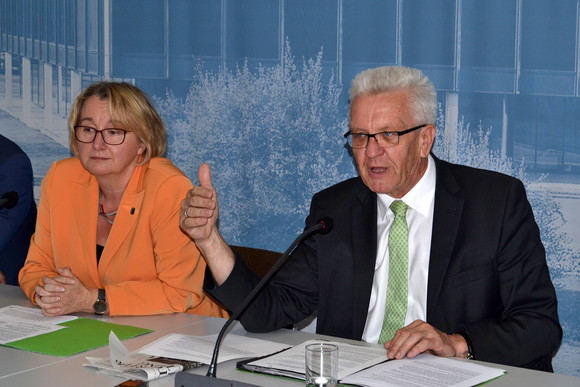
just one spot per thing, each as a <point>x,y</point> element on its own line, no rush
<point>107,237</point>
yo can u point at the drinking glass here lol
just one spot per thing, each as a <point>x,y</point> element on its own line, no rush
<point>321,365</point>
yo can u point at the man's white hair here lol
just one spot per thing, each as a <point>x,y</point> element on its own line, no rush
<point>389,79</point>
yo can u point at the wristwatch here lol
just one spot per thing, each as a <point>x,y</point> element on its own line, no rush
<point>101,306</point>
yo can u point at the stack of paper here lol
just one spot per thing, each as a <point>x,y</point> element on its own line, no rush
<point>28,329</point>
<point>18,322</point>
<point>136,366</point>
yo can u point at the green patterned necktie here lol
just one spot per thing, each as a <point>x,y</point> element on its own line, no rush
<point>396,305</point>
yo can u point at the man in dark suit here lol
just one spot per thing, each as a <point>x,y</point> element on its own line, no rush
<point>478,284</point>
<point>17,222</point>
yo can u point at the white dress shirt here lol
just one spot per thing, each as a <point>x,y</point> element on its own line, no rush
<point>420,200</point>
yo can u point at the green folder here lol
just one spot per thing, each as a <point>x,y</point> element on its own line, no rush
<point>80,335</point>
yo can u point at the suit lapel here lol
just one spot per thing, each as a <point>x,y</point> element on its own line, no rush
<point>364,236</point>
<point>86,191</point>
<point>446,218</point>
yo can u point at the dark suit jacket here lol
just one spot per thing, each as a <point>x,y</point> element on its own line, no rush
<point>487,272</point>
<point>16,223</point>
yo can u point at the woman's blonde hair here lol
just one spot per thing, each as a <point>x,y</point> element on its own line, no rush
<point>131,109</point>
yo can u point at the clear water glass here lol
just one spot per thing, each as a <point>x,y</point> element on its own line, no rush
<point>321,365</point>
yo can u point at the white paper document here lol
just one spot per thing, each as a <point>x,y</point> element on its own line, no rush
<point>367,365</point>
<point>351,358</point>
<point>361,365</point>
<point>424,370</point>
<point>200,348</point>
<point>18,322</point>
<point>174,353</point>
<point>136,366</point>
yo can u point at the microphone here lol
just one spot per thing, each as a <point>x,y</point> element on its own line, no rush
<point>9,200</point>
<point>184,379</point>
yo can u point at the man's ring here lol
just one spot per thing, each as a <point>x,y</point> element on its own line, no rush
<point>185,212</point>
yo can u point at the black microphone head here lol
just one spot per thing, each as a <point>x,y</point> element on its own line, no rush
<point>10,198</point>
<point>326,224</point>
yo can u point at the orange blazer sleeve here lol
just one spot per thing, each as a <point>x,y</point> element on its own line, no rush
<point>148,265</point>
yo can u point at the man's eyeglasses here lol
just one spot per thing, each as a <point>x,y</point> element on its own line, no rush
<point>383,139</point>
<point>111,136</point>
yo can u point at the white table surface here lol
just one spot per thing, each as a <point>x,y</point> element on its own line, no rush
<point>22,368</point>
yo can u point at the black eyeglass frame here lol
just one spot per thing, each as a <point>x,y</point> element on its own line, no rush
<point>399,134</point>
<point>96,131</point>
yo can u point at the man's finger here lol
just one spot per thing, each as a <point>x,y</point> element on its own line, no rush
<point>204,176</point>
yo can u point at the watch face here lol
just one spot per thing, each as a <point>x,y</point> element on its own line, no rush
<point>100,306</point>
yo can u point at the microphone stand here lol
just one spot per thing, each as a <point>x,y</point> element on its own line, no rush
<point>183,379</point>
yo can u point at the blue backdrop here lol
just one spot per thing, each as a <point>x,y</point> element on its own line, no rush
<point>257,88</point>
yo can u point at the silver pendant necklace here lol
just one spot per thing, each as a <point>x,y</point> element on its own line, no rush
<point>106,215</point>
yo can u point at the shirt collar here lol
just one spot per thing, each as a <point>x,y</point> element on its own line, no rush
<point>420,198</point>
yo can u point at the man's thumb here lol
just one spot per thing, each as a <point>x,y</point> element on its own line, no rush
<point>204,176</point>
